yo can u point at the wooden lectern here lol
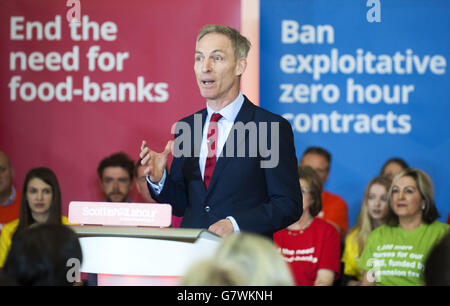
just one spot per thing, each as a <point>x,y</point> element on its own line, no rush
<point>123,255</point>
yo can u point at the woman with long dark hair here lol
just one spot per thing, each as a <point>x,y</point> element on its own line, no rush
<point>41,203</point>
<point>41,255</point>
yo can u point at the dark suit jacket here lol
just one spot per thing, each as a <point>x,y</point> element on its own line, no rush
<point>262,200</point>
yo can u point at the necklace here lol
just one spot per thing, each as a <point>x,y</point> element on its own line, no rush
<point>300,229</point>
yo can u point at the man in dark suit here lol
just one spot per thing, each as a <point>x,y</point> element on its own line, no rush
<point>234,165</point>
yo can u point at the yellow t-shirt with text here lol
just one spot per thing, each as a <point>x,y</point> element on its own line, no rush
<point>350,257</point>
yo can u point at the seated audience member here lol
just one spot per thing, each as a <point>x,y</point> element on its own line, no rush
<point>334,208</point>
<point>392,167</point>
<point>311,246</point>
<point>39,256</point>
<point>116,177</point>
<point>41,203</point>
<point>395,253</point>
<point>374,212</point>
<point>141,185</point>
<point>5,280</point>
<point>241,259</point>
<point>9,196</point>
<point>437,265</point>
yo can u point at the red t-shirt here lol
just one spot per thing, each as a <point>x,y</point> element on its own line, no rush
<point>10,212</point>
<point>307,251</point>
<point>334,209</point>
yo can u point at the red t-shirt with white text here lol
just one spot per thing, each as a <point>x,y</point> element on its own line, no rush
<point>309,250</point>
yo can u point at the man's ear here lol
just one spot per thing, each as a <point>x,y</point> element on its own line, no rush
<point>241,65</point>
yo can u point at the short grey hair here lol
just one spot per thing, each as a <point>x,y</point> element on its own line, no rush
<point>240,43</point>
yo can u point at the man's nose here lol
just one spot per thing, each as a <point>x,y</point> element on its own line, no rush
<point>115,184</point>
<point>206,65</point>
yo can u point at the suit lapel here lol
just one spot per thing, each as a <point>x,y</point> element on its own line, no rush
<point>196,139</point>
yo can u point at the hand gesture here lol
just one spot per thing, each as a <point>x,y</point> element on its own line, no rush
<point>154,162</point>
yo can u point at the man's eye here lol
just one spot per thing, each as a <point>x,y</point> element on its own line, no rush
<point>218,58</point>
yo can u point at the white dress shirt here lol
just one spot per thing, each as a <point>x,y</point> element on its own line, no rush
<point>225,124</point>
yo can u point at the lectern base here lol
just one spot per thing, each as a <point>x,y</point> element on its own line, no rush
<point>136,280</point>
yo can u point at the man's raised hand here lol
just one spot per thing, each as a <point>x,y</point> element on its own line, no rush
<point>155,163</point>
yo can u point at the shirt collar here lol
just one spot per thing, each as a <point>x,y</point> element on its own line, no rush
<point>12,197</point>
<point>230,111</point>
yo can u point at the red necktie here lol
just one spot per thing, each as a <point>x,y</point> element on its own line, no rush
<point>213,132</point>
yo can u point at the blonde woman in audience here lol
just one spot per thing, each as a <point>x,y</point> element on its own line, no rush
<point>396,252</point>
<point>242,259</point>
<point>41,203</point>
<point>209,272</point>
<point>374,212</point>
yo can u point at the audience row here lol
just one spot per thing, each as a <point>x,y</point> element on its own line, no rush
<point>395,234</point>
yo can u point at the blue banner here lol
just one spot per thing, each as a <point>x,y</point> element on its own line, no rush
<point>366,80</point>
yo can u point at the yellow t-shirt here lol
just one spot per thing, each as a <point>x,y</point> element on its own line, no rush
<point>350,257</point>
<point>7,234</point>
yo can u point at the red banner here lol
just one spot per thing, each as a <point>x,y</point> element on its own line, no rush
<point>75,92</point>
